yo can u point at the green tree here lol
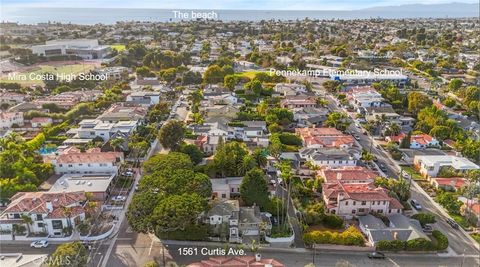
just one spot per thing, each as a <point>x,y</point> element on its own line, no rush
<point>417,101</point>
<point>338,120</point>
<point>214,74</point>
<point>172,134</point>
<point>331,86</point>
<point>229,157</point>
<point>195,154</point>
<point>253,188</point>
<point>455,84</point>
<point>70,254</point>
<point>230,81</point>
<point>170,161</point>
<point>176,212</point>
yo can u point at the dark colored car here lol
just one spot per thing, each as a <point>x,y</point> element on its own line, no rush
<point>453,224</point>
<point>382,167</point>
<point>376,255</point>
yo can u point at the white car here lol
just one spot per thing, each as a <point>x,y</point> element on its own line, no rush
<point>119,198</point>
<point>39,244</point>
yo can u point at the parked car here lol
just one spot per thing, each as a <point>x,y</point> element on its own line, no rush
<point>119,198</point>
<point>357,137</point>
<point>415,204</point>
<point>39,244</point>
<point>376,255</point>
<point>428,228</point>
<point>128,174</point>
<point>382,167</point>
<point>453,224</point>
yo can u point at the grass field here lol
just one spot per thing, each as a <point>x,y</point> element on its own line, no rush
<point>119,47</point>
<point>55,67</point>
<point>250,74</point>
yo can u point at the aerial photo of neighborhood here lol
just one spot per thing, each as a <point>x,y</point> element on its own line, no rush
<point>240,133</point>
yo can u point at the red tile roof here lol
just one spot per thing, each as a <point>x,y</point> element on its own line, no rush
<point>35,202</point>
<point>457,182</point>
<point>240,261</point>
<point>326,137</point>
<point>347,173</point>
<point>90,156</point>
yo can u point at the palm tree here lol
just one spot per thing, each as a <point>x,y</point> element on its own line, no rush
<point>116,143</point>
<point>260,157</point>
<point>28,221</point>
<point>68,212</point>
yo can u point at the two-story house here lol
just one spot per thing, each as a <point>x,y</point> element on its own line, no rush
<point>50,212</point>
<point>72,160</point>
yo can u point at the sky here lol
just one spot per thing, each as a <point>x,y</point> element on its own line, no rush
<point>225,4</point>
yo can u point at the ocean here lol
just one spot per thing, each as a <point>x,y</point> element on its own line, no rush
<point>89,16</point>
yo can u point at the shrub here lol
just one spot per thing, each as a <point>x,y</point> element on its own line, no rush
<point>290,139</point>
<point>419,244</point>
<point>442,240</point>
<point>350,237</point>
<point>424,218</point>
<point>394,245</point>
<point>191,232</point>
<point>333,221</point>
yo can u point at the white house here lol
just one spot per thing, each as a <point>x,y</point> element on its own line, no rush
<point>431,165</point>
<point>289,89</point>
<point>9,119</point>
<point>47,211</point>
<point>72,160</point>
<point>226,188</point>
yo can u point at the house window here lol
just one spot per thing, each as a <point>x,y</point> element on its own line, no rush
<point>346,203</point>
<point>224,195</point>
<point>361,210</point>
<point>232,190</point>
<point>364,203</point>
<point>70,165</point>
<point>354,203</point>
<point>57,224</point>
<point>390,211</point>
<point>60,165</point>
<point>384,202</point>
<point>40,225</point>
<point>354,211</point>
<point>39,217</point>
<point>380,211</point>
<point>16,216</point>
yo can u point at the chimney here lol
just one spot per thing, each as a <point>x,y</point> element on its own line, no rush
<point>339,176</point>
<point>49,206</point>
<point>258,257</point>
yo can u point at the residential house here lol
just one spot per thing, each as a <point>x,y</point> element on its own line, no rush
<point>431,165</point>
<point>99,185</point>
<point>400,228</point>
<point>386,113</point>
<point>324,137</point>
<point>38,122</point>
<point>310,117</point>
<point>226,188</point>
<point>416,141</point>
<point>292,102</point>
<point>289,89</point>
<point>10,119</point>
<point>113,73</point>
<point>122,112</point>
<point>93,128</point>
<point>353,199</point>
<point>328,157</point>
<point>449,184</point>
<point>220,111</point>
<point>143,98</point>
<point>207,143</point>
<point>72,160</point>
<point>12,98</point>
<point>47,210</point>
<point>347,174</point>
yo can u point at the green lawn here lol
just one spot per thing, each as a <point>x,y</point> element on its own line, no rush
<point>460,220</point>
<point>249,74</point>
<point>119,47</point>
<point>476,236</point>
<point>412,172</point>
